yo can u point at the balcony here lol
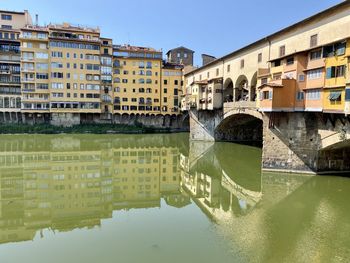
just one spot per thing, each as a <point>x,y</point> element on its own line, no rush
<point>27,79</point>
<point>10,49</point>
<point>9,81</point>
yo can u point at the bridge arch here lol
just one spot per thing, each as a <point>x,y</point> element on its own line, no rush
<point>228,90</point>
<point>253,84</point>
<point>241,88</point>
<point>241,126</point>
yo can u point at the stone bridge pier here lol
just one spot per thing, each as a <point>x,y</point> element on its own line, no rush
<point>302,142</point>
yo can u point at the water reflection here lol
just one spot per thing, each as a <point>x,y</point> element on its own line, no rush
<point>69,182</point>
<point>65,182</point>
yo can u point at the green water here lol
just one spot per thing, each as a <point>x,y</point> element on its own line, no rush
<point>159,198</point>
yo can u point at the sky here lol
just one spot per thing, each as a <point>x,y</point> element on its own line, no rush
<point>205,26</point>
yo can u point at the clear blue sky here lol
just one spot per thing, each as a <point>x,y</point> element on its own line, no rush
<point>214,27</point>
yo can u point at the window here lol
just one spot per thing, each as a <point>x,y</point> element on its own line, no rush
<point>40,55</point>
<point>276,63</point>
<point>313,94</point>
<point>6,17</point>
<point>335,96</point>
<point>335,72</point>
<point>217,72</point>
<point>282,51</point>
<point>42,35</point>
<point>266,95</point>
<point>316,54</point>
<point>259,57</point>
<point>228,68</point>
<point>178,55</point>
<point>340,49</point>
<point>56,54</point>
<point>165,91</point>
<point>6,27</point>
<point>42,76</point>
<point>57,85</point>
<point>263,81</point>
<point>277,76</point>
<point>176,82</point>
<point>300,95</point>
<point>42,66</point>
<point>185,55</point>
<point>301,78</point>
<point>313,40</point>
<point>165,82</point>
<point>242,63</point>
<point>314,74</point>
<point>290,61</point>
<point>347,94</point>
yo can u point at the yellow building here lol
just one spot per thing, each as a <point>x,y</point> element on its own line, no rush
<point>137,80</point>
<point>61,76</point>
<point>172,83</point>
<point>35,72</point>
<point>336,73</point>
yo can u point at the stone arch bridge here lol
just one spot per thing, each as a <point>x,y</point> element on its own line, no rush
<point>301,142</point>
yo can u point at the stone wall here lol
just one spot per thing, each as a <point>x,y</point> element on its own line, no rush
<point>65,119</point>
<point>293,143</point>
<point>179,122</point>
<point>203,124</point>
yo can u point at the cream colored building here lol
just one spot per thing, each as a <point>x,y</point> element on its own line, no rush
<point>245,70</point>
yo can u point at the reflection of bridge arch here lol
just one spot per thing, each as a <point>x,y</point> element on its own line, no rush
<point>241,126</point>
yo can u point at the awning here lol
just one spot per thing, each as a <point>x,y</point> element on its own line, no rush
<point>335,95</point>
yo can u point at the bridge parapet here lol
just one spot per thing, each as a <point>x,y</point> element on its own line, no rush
<point>241,107</point>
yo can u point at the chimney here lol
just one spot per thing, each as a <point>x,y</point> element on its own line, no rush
<point>36,19</point>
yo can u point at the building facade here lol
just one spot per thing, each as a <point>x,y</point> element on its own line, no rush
<point>10,83</point>
<point>303,67</point>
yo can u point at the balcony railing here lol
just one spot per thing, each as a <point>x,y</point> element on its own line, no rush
<point>10,81</point>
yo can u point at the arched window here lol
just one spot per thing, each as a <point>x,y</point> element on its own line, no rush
<point>117,80</point>
<point>149,81</point>
<point>141,81</point>
<point>148,73</point>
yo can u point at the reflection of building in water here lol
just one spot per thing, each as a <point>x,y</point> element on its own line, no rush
<point>70,183</point>
<point>217,185</point>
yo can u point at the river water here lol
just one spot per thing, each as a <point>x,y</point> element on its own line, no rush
<point>160,198</point>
